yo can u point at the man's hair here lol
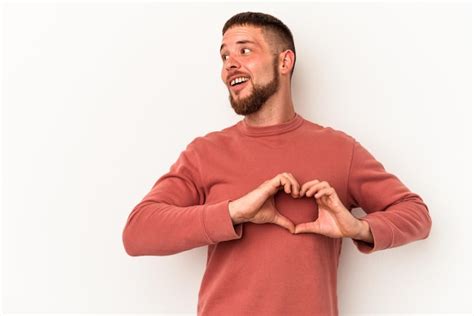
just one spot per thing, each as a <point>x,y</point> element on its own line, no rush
<point>277,34</point>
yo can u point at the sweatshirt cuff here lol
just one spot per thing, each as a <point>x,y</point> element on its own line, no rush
<point>381,232</point>
<point>218,224</point>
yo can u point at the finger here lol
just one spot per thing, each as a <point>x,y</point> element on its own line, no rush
<point>316,187</point>
<point>305,228</point>
<point>279,182</point>
<point>286,183</point>
<point>294,184</point>
<point>284,222</point>
<point>325,191</point>
<point>307,185</point>
<point>289,184</point>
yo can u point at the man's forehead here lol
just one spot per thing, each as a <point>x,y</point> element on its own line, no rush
<point>241,35</point>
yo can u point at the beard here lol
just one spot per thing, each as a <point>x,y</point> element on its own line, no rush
<point>258,96</point>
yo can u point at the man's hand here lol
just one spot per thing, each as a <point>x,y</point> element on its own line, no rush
<point>258,206</point>
<point>334,219</point>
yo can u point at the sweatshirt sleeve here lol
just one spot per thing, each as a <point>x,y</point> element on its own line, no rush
<point>395,215</point>
<point>173,216</point>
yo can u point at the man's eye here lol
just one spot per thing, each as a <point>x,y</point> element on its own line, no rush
<point>224,57</point>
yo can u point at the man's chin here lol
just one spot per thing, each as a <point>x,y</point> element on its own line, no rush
<point>238,95</point>
<point>243,108</point>
<point>238,98</point>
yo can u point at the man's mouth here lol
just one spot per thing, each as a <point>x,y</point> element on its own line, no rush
<point>238,84</point>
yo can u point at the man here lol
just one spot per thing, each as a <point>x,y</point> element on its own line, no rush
<point>271,195</point>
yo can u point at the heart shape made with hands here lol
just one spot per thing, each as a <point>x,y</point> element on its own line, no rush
<point>298,210</point>
<point>332,218</point>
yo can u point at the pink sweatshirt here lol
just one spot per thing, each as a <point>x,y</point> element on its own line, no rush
<point>262,269</point>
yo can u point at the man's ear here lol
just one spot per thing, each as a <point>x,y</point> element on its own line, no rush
<point>287,61</point>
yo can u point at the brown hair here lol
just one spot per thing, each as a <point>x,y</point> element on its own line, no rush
<point>277,34</point>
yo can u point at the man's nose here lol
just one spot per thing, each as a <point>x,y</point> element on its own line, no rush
<point>231,62</point>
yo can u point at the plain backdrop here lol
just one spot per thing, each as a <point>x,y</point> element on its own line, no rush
<point>100,99</point>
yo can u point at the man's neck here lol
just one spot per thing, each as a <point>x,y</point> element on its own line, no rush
<point>278,109</point>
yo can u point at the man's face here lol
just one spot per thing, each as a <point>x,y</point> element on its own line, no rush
<point>245,53</point>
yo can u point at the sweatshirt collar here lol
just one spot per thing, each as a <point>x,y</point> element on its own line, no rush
<point>274,129</point>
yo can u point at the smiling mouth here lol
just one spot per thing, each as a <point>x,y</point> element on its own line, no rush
<point>239,86</point>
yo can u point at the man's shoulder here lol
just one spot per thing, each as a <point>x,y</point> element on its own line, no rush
<point>328,133</point>
<point>222,137</point>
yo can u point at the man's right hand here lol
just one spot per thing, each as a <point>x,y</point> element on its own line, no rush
<point>258,206</point>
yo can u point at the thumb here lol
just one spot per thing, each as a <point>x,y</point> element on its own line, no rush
<point>305,228</point>
<point>284,222</point>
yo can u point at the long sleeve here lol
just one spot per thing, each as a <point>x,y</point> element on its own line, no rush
<point>396,216</point>
<point>173,216</point>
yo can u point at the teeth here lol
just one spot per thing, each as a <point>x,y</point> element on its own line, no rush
<point>238,80</point>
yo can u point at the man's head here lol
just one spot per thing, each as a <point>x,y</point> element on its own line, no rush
<point>259,48</point>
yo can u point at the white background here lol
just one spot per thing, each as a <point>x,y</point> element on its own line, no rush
<point>99,100</point>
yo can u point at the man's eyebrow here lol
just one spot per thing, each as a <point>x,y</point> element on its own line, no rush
<point>239,42</point>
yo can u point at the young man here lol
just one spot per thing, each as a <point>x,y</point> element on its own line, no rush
<point>271,196</point>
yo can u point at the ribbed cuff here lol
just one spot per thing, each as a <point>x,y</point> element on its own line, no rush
<point>218,223</point>
<point>381,232</point>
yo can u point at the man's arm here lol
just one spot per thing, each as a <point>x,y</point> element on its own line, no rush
<point>173,216</point>
<point>365,234</point>
<point>395,215</point>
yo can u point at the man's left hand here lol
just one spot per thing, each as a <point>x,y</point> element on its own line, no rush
<point>334,219</point>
